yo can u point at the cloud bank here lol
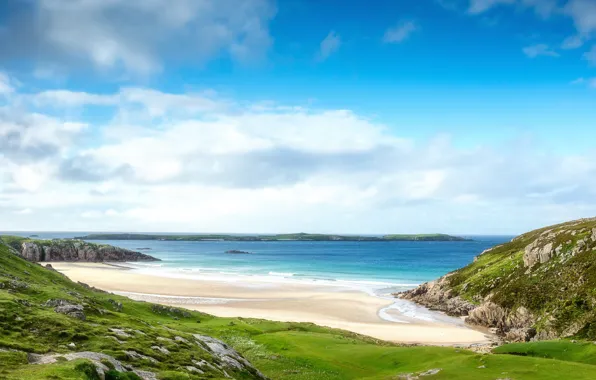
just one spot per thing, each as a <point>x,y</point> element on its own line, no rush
<point>197,162</point>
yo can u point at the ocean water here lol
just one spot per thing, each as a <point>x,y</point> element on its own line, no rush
<point>379,264</point>
<point>378,268</point>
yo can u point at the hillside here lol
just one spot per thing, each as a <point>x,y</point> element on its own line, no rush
<point>71,250</point>
<point>278,237</point>
<point>52,328</point>
<point>541,285</point>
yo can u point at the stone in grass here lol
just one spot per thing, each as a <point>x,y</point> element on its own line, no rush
<point>65,307</point>
<point>163,350</point>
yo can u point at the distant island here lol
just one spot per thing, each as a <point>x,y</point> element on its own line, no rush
<point>277,237</point>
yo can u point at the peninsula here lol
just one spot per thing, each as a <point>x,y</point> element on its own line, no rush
<point>277,237</point>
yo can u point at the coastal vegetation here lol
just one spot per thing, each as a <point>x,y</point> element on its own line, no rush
<point>277,237</point>
<point>84,333</point>
<point>541,285</point>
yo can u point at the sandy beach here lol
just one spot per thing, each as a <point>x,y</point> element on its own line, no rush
<point>331,306</point>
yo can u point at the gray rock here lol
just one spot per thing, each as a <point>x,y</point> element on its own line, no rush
<point>436,295</point>
<point>95,357</point>
<point>77,250</point>
<point>163,350</point>
<point>229,358</point>
<point>135,355</point>
<point>75,311</point>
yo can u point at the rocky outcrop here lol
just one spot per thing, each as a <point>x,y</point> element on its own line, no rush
<point>98,359</point>
<point>553,243</point>
<point>437,295</point>
<point>67,308</point>
<point>76,250</point>
<point>228,359</point>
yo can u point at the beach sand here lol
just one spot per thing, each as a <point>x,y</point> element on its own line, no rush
<point>331,306</point>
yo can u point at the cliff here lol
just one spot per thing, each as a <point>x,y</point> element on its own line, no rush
<point>541,285</point>
<point>71,250</point>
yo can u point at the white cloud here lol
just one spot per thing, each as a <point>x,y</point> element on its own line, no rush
<point>210,165</point>
<point>583,13</point>
<point>400,32</point>
<point>539,50</point>
<point>544,8</point>
<point>133,34</point>
<point>590,56</point>
<point>572,42</point>
<point>480,6</point>
<point>6,87</point>
<point>329,45</point>
<point>25,211</point>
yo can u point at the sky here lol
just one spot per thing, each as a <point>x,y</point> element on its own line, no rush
<point>259,116</point>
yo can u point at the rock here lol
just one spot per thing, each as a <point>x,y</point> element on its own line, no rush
<point>538,252</point>
<point>228,357</point>
<point>32,252</point>
<point>121,333</point>
<point>72,345</point>
<point>136,356</point>
<point>431,372</point>
<point>163,350</point>
<point>77,250</point>
<point>413,376</point>
<point>436,295</point>
<point>66,307</point>
<point>75,311</point>
<point>117,305</point>
<point>181,339</point>
<point>190,368</point>
<point>98,359</point>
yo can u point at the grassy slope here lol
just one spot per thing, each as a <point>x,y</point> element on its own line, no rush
<point>280,350</point>
<point>562,292</point>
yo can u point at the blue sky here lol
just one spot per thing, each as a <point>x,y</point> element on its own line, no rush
<point>423,95</point>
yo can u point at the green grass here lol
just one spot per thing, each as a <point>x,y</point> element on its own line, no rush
<point>573,351</point>
<point>299,351</point>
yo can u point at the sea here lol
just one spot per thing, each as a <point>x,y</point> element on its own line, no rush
<point>378,268</point>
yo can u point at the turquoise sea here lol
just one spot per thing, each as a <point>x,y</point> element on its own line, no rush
<point>395,264</point>
<point>377,268</point>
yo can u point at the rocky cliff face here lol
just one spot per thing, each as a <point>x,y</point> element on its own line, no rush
<point>538,286</point>
<point>74,250</point>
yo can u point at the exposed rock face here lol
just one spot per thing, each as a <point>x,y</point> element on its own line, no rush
<point>229,358</point>
<point>538,252</point>
<point>74,250</point>
<point>436,295</point>
<point>65,307</point>
<point>98,359</point>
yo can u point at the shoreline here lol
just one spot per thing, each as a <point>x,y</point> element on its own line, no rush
<point>337,306</point>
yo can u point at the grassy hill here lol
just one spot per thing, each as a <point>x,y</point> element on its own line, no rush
<point>541,285</point>
<point>168,343</point>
